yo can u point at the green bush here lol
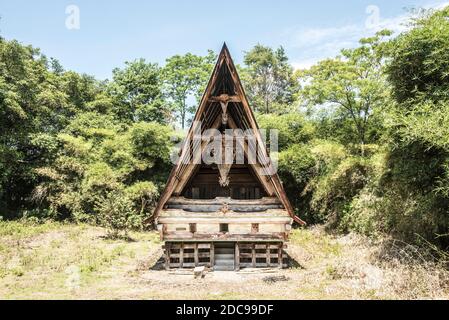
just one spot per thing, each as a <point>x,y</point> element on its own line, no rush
<point>335,189</point>
<point>419,63</point>
<point>296,168</point>
<point>124,210</point>
<point>116,213</point>
<point>298,162</point>
<point>94,163</point>
<point>293,128</point>
<point>144,196</point>
<point>321,179</point>
<point>40,215</point>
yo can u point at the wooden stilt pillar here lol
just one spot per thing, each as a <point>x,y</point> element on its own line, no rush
<point>212,255</point>
<point>253,255</point>
<point>237,257</point>
<point>268,256</point>
<point>280,259</point>
<point>181,255</point>
<point>167,255</point>
<point>196,255</point>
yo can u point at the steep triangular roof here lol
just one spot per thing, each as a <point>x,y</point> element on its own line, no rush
<point>224,85</point>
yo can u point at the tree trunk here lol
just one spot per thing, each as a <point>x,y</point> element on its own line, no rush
<point>362,148</point>
<point>183,114</point>
<point>267,105</point>
<point>362,141</point>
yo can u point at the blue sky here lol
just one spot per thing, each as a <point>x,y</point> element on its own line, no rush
<point>112,32</point>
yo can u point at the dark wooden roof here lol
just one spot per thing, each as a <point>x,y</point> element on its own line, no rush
<point>224,82</point>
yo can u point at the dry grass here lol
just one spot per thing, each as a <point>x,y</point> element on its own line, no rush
<point>62,261</point>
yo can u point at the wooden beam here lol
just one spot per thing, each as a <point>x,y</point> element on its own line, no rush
<point>221,200</point>
<point>253,255</point>
<point>237,257</point>
<point>220,237</point>
<point>181,255</point>
<point>196,255</point>
<point>209,211</point>
<point>268,255</point>
<point>167,255</point>
<point>280,258</point>
<point>225,99</point>
<point>212,255</point>
<point>229,220</point>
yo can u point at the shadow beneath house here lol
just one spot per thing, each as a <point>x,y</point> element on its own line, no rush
<point>293,263</point>
<point>152,263</point>
<point>159,265</point>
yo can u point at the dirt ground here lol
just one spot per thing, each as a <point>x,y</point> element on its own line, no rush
<point>66,261</point>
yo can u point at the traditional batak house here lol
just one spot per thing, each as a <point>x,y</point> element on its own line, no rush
<point>231,214</point>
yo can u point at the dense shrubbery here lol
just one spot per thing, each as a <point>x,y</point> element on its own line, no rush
<point>322,176</point>
<point>98,160</point>
<point>292,128</point>
<point>413,200</point>
<point>73,147</point>
<point>398,185</point>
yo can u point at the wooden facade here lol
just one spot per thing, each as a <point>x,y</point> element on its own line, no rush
<point>225,217</point>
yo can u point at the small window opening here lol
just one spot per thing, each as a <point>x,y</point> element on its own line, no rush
<point>192,227</point>
<point>224,227</point>
<point>254,228</point>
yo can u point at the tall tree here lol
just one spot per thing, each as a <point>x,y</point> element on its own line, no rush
<point>186,76</point>
<point>269,78</point>
<point>353,83</point>
<point>137,92</point>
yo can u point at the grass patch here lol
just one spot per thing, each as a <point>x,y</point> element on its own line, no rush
<point>24,228</point>
<point>37,258</point>
<point>315,242</point>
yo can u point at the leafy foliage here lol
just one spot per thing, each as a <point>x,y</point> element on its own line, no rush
<point>269,79</point>
<point>380,164</point>
<point>91,165</point>
<point>137,93</point>
<point>185,76</point>
<point>115,212</point>
<point>420,60</point>
<point>353,83</point>
<point>68,142</point>
<point>35,104</point>
<point>292,128</point>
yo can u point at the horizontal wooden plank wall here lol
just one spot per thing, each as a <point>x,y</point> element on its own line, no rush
<point>260,255</point>
<point>180,255</point>
<point>178,237</point>
<point>187,255</point>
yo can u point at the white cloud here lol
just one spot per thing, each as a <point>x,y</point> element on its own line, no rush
<point>316,36</point>
<point>314,44</point>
